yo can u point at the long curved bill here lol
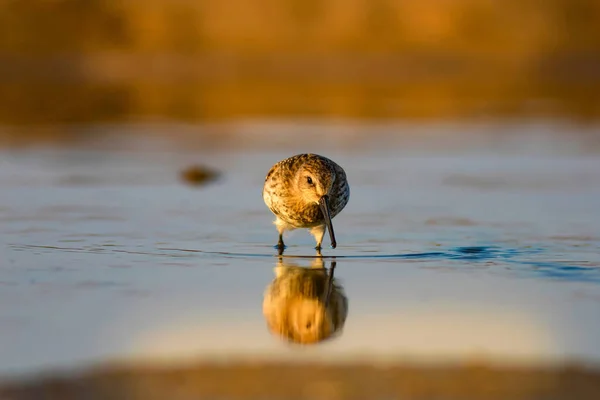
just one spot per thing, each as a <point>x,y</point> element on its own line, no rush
<point>324,204</point>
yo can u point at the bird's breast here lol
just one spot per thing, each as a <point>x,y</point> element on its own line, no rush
<point>300,214</point>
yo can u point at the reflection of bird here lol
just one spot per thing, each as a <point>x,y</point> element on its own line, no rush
<point>305,305</point>
<point>306,191</point>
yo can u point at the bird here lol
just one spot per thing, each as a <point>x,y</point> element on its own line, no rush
<point>305,305</point>
<point>306,191</point>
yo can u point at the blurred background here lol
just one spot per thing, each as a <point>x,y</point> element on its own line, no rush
<point>65,62</point>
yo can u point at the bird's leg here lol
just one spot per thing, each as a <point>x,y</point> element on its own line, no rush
<point>280,225</point>
<point>280,246</point>
<point>318,232</point>
<point>280,242</point>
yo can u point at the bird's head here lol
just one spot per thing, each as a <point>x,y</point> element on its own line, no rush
<point>314,181</point>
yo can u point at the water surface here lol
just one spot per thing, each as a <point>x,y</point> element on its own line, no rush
<point>473,254</point>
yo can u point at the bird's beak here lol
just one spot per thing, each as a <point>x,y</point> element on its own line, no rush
<point>324,204</point>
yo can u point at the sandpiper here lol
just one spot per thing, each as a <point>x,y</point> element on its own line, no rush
<point>306,191</point>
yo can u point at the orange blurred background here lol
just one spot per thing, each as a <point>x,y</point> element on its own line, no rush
<point>73,61</point>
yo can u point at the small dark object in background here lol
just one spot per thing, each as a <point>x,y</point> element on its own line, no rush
<point>196,175</point>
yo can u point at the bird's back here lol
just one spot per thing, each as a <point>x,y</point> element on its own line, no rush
<point>340,193</point>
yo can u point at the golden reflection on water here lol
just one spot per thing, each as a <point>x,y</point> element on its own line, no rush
<point>305,305</point>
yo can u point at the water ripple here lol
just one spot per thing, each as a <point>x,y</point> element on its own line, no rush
<point>521,260</point>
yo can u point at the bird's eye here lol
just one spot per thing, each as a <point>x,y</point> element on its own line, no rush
<point>309,180</point>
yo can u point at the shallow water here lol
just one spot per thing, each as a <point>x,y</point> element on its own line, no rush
<point>443,256</point>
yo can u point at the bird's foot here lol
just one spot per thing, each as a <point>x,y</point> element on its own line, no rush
<point>280,247</point>
<point>318,249</point>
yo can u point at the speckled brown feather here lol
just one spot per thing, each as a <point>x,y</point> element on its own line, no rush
<point>281,196</point>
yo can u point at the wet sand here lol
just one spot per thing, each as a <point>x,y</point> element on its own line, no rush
<point>313,381</point>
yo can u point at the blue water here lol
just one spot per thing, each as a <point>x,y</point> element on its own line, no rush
<point>442,254</point>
